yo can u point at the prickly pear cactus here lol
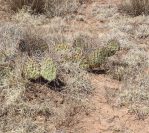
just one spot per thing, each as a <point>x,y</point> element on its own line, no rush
<point>112,47</point>
<point>34,69</point>
<point>48,69</point>
<point>97,57</point>
<point>93,59</point>
<point>31,69</point>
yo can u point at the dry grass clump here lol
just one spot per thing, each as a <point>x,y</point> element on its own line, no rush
<point>135,82</point>
<point>50,7</point>
<point>36,5</point>
<point>136,7</point>
<point>135,95</point>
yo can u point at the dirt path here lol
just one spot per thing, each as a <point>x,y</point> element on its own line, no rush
<point>105,118</point>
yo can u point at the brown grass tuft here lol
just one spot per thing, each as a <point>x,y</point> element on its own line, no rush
<point>136,7</point>
<point>50,7</point>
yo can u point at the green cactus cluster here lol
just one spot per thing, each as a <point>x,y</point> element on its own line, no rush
<point>112,47</point>
<point>45,68</point>
<point>93,59</point>
<point>97,57</point>
<point>89,59</point>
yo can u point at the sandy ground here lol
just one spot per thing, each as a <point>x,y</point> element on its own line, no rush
<point>105,118</point>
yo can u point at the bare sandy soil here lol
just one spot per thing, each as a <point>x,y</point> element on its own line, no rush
<point>105,118</point>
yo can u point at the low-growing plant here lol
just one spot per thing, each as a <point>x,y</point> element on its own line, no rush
<point>97,57</point>
<point>48,69</point>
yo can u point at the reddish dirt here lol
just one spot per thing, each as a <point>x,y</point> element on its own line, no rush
<point>107,119</point>
<point>4,13</point>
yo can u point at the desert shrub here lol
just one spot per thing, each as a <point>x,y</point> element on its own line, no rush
<point>61,7</point>
<point>136,7</point>
<point>36,5</point>
<point>50,7</point>
<point>132,70</point>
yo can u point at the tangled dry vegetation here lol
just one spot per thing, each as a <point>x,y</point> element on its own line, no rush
<point>44,70</point>
<point>50,7</point>
<point>136,7</point>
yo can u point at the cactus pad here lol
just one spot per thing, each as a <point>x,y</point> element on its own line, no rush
<point>94,59</point>
<point>31,69</point>
<point>48,69</point>
<point>113,47</point>
<point>34,69</point>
